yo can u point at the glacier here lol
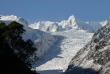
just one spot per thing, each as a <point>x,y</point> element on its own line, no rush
<point>60,54</point>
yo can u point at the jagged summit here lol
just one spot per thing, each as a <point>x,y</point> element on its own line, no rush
<point>72,17</point>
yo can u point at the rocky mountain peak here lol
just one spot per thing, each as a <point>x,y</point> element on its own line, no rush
<point>72,17</point>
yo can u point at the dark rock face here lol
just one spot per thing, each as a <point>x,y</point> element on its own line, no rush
<point>80,70</point>
<point>94,58</point>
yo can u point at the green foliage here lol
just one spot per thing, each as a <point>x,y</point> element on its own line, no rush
<point>14,51</point>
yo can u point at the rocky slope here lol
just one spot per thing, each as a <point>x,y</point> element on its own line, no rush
<point>94,58</point>
<point>71,23</point>
<point>42,40</point>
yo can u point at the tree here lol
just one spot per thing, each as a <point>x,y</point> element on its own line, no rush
<point>14,50</point>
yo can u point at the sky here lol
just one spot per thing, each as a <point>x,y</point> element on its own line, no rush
<point>56,10</point>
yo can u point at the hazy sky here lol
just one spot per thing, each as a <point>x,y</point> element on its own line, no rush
<point>56,10</point>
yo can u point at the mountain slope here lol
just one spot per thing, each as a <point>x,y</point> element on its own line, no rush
<point>71,23</point>
<point>94,58</point>
<point>42,40</point>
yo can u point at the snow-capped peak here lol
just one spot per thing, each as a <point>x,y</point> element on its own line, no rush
<point>72,17</point>
<point>10,18</point>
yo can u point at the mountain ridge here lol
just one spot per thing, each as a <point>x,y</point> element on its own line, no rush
<point>71,23</point>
